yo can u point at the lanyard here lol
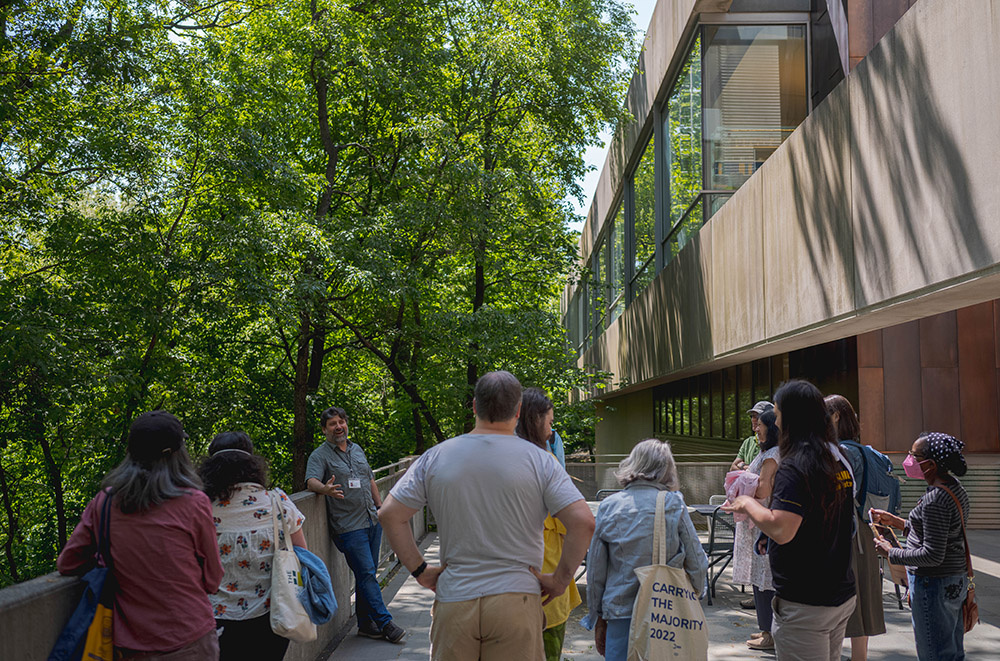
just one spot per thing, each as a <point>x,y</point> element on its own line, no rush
<point>349,460</point>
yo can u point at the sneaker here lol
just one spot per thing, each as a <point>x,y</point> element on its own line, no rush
<point>369,631</point>
<point>759,634</point>
<point>748,604</point>
<point>393,633</point>
<point>765,642</point>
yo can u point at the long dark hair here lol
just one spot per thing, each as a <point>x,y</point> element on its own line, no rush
<point>848,427</point>
<point>230,461</point>
<point>139,486</point>
<point>806,431</point>
<point>534,405</point>
<point>767,418</point>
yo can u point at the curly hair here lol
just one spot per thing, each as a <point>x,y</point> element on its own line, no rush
<point>230,461</point>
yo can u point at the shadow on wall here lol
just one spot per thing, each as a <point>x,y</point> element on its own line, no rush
<point>668,326</point>
<point>905,183</point>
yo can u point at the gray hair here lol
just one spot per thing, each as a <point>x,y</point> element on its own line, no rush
<point>650,460</point>
<point>138,487</point>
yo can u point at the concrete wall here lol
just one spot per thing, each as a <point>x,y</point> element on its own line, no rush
<point>32,614</point>
<point>623,422</point>
<point>880,208</point>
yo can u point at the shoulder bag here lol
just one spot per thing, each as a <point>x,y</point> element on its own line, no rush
<point>88,633</point>
<point>970,609</point>
<point>667,619</point>
<point>289,618</point>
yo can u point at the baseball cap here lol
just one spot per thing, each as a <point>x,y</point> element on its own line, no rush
<point>761,407</point>
<point>154,434</point>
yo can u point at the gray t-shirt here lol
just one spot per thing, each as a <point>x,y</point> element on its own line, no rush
<point>490,495</point>
<point>357,509</point>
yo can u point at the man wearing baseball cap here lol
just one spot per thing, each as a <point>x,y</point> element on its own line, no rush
<point>750,449</point>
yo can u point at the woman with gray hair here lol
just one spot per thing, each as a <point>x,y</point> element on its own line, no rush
<point>162,543</point>
<point>622,542</point>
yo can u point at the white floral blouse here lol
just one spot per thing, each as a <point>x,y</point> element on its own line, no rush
<point>244,530</point>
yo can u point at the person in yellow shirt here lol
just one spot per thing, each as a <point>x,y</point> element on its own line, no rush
<point>535,425</point>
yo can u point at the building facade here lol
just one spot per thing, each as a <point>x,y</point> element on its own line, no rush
<point>809,190</point>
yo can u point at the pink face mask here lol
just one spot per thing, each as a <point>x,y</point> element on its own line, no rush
<point>912,467</point>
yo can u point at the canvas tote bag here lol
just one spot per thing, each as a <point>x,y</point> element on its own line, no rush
<point>289,618</point>
<point>667,619</point>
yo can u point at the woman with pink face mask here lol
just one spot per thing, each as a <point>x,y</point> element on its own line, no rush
<point>935,547</point>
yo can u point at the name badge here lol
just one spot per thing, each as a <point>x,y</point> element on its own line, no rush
<point>354,483</point>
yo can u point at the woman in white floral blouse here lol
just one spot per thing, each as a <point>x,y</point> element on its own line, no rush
<point>234,479</point>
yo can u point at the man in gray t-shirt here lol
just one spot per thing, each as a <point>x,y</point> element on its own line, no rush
<point>490,492</point>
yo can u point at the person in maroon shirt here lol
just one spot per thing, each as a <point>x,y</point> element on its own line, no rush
<point>163,545</point>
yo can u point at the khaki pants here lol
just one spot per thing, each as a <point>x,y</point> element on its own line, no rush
<point>809,633</point>
<point>499,627</point>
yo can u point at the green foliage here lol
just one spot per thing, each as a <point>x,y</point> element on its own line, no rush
<point>245,213</point>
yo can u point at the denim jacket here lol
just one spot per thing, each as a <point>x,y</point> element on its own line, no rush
<point>623,541</point>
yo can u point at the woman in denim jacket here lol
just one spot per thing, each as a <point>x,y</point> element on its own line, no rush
<point>622,542</point>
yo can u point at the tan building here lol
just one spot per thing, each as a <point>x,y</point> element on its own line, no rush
<point>810,189</point>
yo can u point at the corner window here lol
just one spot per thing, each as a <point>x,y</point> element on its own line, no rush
<point>741,91</point>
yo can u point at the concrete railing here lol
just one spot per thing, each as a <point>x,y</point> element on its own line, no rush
<point>698,480</point>
<point>33,613</point>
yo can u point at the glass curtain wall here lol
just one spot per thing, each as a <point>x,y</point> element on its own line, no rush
<point>741,91</point>
<point>682,128</point>
<point>644,226</point>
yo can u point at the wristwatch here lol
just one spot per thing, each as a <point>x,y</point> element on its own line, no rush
<point>419,570</point>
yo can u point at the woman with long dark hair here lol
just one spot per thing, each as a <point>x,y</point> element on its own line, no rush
<point>234,479</point>
<point>748,566</point>
<point>810,528</point>
<point>868,618</point>
<point>935,546</point>
<point>534,424</point>
<point>163,545</point>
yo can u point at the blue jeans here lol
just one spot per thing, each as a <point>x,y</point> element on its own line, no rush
<point>616,642</point>
<point>361,547</point>
<point>936,607</point>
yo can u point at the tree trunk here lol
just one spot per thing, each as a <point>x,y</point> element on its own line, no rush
<point>11,526</point>
<point>55,480</point>
<point>301,439</point>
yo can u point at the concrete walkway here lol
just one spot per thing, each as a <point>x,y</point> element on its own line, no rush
<point>729,626</point>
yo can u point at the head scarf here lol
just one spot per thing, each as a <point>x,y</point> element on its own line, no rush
<point>942,448</point>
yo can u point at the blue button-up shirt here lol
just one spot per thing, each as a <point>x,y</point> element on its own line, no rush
<point>623,541</point>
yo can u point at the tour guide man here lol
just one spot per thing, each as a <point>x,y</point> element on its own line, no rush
<point>490,492</point>
<point>353,519</point>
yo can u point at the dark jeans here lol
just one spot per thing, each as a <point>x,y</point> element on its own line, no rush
<point>936,610</point>
<point>250,639</point>
<point>360,548</point>
<point>762,601</point>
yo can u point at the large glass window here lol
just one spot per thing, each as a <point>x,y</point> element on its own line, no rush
<point>741,91</point>
<point>617,266</point>
<point>599,286</point>
<point>683,131</point>
<point>754,96</point>
<point>644,227</point>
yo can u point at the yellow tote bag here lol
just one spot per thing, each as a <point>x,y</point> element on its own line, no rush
<point>667,619</point>
<point>99,645</point>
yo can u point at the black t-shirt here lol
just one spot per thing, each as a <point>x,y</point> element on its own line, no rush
<point>815,566</point>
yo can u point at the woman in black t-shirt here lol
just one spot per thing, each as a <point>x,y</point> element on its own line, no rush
<point>809,526</point>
